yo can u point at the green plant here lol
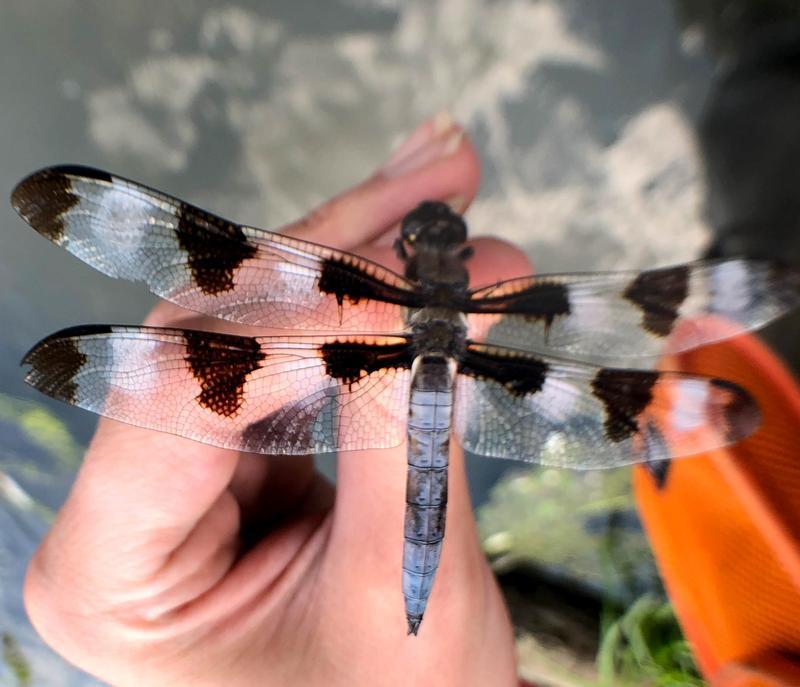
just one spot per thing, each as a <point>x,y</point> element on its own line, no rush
<point>645,646</point>
<point>15,660</point>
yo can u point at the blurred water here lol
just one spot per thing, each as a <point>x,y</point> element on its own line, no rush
<point>582,111</point>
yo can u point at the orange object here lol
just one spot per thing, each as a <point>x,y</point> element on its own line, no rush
<point>725,528</point>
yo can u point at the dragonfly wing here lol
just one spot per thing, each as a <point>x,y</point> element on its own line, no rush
<point>622,317</point>
<point>276,395</point>
<point>555,412</point>
<point>206,263</point>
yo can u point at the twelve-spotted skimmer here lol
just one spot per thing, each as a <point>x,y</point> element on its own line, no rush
<point>393,357</point>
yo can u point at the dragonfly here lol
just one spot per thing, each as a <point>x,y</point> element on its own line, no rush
<point>556,369</point>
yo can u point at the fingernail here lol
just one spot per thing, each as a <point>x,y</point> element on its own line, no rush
<point>457,204</point>
<point>434,139</point>
<point>425,132</point>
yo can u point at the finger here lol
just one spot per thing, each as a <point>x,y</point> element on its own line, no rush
<point>496,260</point>
<point>265,487</point>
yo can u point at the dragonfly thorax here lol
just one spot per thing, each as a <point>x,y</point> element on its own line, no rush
<point>439,330</point>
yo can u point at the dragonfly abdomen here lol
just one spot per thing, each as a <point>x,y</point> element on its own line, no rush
<point>430,413</point>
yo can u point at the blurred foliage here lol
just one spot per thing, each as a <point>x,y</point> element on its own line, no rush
<point>38,456</point>
<point>43,429</point>
<point>584,525</point>
<point>727,24</point>
<point>646,647</point>
<point>15,660</point>
<point>579,524</point>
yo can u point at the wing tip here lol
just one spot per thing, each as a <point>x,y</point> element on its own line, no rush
<point>413,625</point>
<point>66,170</point>
<point>44,197</point>
<point>55,172</point>
<point>789,278</point>
<point>775,278</point>
<point>63,337</point>
<point>74,332</point>
<point>740,412</point>
<point>54,364</point>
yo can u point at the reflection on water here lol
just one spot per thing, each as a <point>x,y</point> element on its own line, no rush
<point>582,144</point>
<point>582,112</point>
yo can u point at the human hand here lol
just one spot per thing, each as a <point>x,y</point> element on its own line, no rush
<point>177,563</point>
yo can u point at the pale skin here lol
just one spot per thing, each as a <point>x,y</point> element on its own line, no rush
<point>176,563</point>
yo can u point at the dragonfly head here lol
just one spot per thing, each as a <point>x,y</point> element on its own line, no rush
<point>435,225</point>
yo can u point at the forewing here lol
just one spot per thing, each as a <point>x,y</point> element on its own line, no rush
<point>291,395</point>
<point>615,317</point>
<point>206,263</point>
<point>543,410</point>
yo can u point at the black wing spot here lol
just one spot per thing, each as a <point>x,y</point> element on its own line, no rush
<point>521,375</point>
<point>625,394</point>
<point>345,280</point>
<point>44,199</point>
<point>659,294</point>
<point>215,248</point>
<point>350,361</point>
<point>544,301</point>
<point>339,279</point>
<point>56,361</point>
<point>221,363</point>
